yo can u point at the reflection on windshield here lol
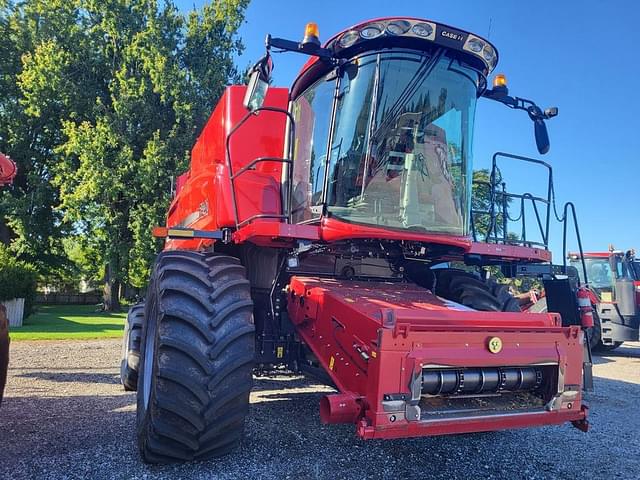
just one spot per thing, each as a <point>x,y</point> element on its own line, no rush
<point>400,152</point>
<point>403,160</point>
<point>312,114</point>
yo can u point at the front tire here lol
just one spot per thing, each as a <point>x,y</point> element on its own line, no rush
<point>197,361</point>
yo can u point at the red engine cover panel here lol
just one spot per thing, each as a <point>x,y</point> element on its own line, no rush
<point>203,198</point>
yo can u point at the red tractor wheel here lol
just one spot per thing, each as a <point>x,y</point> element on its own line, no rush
<point>130,362</point>
<point>197,358</point>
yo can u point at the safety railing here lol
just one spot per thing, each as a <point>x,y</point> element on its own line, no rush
<point>498,216</point>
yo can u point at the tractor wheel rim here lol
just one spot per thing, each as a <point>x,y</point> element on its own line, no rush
<point>149,352</point>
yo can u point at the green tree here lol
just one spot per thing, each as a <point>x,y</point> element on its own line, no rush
<point>114,92</point>
<point>481,202</point>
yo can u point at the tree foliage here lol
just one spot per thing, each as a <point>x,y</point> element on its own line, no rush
<point>17,279</point>
<point>101,101</point>
<point>481,201</point>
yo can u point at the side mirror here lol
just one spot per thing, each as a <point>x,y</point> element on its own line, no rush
<point>539,127</point>
<point>542,136</point>
<point>258,83</point>
<point>500,93</point>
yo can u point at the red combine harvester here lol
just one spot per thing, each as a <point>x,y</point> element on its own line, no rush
<point>8,172</point>
<point>324,258</point>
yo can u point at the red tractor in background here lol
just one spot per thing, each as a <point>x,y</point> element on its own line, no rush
<point>8,172</point>
<point>310,233</point>
<point>614,277</point>
<point>614,293</point>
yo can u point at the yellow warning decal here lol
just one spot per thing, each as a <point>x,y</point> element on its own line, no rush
<point>374,354</point>
<point>280,352</point>
<point>332,361</point>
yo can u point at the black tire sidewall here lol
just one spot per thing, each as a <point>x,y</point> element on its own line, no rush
<point>128,373</point>
<point>150,315</point>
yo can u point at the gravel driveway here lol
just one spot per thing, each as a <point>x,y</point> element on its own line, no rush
<point>66,416</point>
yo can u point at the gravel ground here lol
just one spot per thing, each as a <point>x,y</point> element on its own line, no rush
<point>66,416</point>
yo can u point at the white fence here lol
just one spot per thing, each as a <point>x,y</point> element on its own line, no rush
<point>15,311</point>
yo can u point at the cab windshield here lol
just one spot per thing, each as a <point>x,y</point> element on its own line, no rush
<point>599,272</point>
<point>399,152</point>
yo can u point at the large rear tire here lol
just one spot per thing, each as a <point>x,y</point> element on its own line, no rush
<point>197,361</point>
<point>467,289</point>
<point>130,362</point>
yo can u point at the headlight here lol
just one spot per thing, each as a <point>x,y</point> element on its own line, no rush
<point>422,30</point>
<point>398,27</point>
<point>349,38</point>
<point>371,31</point>
<point>489,54</point>
<point>475,45</point>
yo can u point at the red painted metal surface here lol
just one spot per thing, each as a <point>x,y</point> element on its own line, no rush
<point>510,252</point>
<point>454,426</point>
<point>334,230</point>
<point>590,254</point>
<point>374,337</point>
<point>203,198</point>
<point>275,234</point>
<point>8,170</point>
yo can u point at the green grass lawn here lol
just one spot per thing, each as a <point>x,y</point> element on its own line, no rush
<point>69,322</point>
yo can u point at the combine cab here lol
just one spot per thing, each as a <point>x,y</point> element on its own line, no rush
<point>309,233</point>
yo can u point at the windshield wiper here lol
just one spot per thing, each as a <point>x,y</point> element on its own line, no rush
<point>416,82</point>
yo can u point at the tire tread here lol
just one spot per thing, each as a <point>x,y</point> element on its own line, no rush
<point>204,358</point>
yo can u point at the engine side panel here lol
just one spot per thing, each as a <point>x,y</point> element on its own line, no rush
<point>204,197</point>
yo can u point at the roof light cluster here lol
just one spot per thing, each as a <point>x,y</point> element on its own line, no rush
<point>421,30</point>
<point>373,30</point>
<point>481,48</point>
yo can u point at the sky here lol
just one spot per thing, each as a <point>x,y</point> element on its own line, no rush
<point>579,55</point>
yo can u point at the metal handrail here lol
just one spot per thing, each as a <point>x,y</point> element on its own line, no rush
<point>252,164</point>
<point>501,208</point>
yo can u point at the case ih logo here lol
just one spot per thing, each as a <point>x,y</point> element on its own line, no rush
<point>495,345</point>
<point>452,36</point>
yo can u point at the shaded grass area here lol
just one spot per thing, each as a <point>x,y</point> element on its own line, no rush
<point>69,322</point>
